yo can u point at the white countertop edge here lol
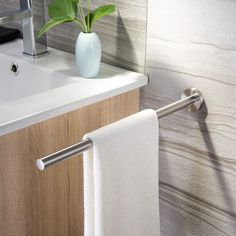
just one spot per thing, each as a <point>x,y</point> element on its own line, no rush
<point>23,122</point>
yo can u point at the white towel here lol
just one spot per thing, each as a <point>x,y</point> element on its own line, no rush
<point>121,178</point>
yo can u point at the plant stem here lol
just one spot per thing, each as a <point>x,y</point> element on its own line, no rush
<point>88,22</point>
<point>82,16</point>
<point>80,24</point>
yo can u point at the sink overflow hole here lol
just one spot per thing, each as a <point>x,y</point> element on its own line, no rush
<point>14,68</point>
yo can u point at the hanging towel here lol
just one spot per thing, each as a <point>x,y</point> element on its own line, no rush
<point>121,178</point>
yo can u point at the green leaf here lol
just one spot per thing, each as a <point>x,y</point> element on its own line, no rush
<point>60,11</point>
<point>98,14</point>
<point>53,22</point>
<point>59,8</point>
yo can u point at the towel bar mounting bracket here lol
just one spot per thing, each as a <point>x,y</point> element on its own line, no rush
<point>194,107</point>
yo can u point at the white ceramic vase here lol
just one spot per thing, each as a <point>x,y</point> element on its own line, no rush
<point>88,52</point>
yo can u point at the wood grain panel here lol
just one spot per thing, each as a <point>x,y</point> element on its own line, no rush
<point>50,203</point>
<point>192,44</point>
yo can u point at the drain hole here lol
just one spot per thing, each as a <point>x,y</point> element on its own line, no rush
<point>14,68</point>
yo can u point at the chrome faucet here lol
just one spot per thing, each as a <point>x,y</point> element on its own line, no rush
<point>32,20</point>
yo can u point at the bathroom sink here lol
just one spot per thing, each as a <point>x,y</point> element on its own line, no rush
<point>20,79</point>
<point>36,89</point>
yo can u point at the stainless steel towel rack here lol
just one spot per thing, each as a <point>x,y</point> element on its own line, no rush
<point>191,98</point>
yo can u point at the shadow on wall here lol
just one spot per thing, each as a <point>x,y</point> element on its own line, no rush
<point>125,50</point>
<point>219,172</point>
<point>164,88</point>
<point>168,190</point>
<point>216,161</point>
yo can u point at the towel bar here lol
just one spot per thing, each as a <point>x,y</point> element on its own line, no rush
<point>191,98</point>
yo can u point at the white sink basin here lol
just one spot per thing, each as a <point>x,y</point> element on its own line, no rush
<point>30,80</point>
<point>50,85</point>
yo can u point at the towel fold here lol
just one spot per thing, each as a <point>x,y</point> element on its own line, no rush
<point>8,34</point>
<point>121,178</point>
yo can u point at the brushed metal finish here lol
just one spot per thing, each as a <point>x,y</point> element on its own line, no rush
<point>31,26</point>
<point>191,98</point>
<point>196,105</point>
<point>63,154</point>
<point>194,98</point>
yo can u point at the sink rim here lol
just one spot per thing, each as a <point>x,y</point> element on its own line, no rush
<point>30,110</point>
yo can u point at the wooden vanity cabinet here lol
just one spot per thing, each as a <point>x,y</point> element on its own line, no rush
<point>50,203</point>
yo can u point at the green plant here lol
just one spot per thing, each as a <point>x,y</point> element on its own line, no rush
<point>62,11</point>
